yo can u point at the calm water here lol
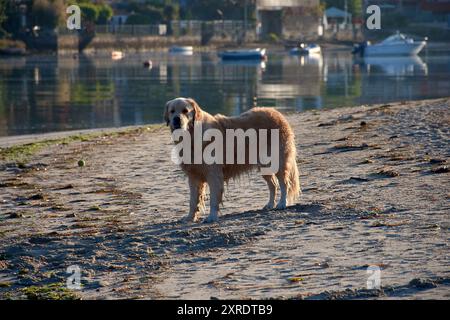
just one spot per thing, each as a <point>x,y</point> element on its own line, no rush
<point>46,93</point>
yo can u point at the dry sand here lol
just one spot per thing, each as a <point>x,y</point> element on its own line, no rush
<point>375,186</point>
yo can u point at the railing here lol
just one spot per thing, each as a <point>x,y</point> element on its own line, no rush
<point>150,30</point>
<point>230,28</point>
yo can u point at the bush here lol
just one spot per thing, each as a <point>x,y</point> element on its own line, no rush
<point>138,19</point>
<point>272,37</point>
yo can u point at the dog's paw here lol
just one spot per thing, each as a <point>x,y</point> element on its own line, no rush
<point>281,206</point>
<point>211,219</point>
<point>190,218</point>
<point>268,206</point>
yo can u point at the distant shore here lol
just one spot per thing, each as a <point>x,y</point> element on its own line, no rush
<point>131,48</point>
<point>376,189</point>
<point>435,47</point>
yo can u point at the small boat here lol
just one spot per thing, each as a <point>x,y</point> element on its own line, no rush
<point>117,55</point>
<point>306,49</point>
<point>395,45</point>
<point>243,54</point>
<point>182,49</point>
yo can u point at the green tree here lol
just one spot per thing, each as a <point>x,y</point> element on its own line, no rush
<point>355,7</point>
<point>105,13</point>
<point>170,12</point>
<point>48,13</point>
<point>3,17</point>
<point>146,15</point>
<point>89,12</point>
<point>94,13</point>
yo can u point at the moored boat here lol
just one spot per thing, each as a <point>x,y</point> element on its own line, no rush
<point>182,49</point>
<point>243,54</point>
<point>395,45</point>
<point>306,49</point>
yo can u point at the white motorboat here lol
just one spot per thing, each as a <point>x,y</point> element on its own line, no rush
<point>396,45</point>
<point>306,49</point>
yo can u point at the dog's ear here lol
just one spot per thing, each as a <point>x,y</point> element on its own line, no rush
<point>197,110</point>
<point>166,113</point>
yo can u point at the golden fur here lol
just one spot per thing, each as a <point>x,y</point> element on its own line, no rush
<point>187,111</point>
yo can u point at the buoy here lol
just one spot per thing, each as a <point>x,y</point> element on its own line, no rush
<point>148,64</point>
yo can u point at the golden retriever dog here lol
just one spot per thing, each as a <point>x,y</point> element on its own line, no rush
<point>184,114</point>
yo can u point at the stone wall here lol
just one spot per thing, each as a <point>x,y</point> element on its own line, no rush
<point>300,23</point>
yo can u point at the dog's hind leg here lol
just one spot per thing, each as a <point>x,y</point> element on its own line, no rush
<point>215,182</point>
<point>272,183</point>
<point>283,188</point>
<point>197,195</point>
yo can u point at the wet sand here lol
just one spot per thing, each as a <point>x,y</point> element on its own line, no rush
<point>376,192</point>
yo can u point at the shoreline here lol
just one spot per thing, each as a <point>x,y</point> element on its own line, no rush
<point>329,45</point>
<point>375,194</point>
<point>9,141</point>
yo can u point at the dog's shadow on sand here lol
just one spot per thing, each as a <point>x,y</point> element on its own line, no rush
<point>141,249</point>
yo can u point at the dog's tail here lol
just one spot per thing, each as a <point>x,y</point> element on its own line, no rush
<point>293,180</point>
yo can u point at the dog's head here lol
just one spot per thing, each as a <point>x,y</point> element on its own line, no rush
<point>181,113</point>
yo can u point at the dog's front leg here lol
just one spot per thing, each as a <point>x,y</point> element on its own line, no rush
<point>272,183</point>
<point>196,203</point>
<point>215,182</point>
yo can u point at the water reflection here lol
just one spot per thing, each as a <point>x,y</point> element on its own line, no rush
<point>247,63</point>
<point>49,93</point>
<point>396,66</point>
<point>292,82</point>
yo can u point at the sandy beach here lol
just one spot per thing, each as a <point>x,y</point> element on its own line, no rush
<point>376,191</point>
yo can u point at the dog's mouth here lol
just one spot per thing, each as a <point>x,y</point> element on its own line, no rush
<point>176,127</point>
<point>180,126</point>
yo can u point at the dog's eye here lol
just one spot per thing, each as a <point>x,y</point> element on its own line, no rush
<point>172,111</point>
<point>185,111</point>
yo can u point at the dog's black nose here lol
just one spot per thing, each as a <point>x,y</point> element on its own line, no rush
<point>176,122</point>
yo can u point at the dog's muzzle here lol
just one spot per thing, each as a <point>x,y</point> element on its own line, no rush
<point>176,123</point>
